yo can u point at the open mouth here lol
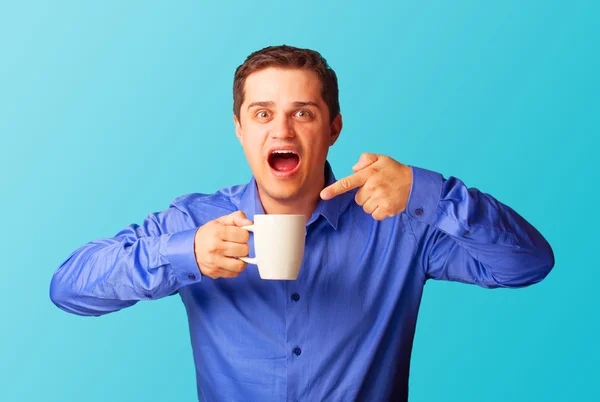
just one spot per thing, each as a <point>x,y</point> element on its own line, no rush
<point>283,160</point>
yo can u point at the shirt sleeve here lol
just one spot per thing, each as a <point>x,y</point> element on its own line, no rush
<point>141,262</point>
<point>467,236</point>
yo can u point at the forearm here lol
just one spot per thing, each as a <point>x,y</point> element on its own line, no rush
<point>472,237</point>
<point>110,274</point>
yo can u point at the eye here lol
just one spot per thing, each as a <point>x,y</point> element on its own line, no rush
<point>303,114</point>
<point>262,114</point>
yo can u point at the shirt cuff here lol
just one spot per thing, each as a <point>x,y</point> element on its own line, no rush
<point>180,253</point>
<point>425,195</point>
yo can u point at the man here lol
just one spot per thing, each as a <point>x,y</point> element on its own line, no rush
<point>342,331</point>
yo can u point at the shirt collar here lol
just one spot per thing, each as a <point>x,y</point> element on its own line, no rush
<point>331,209</point>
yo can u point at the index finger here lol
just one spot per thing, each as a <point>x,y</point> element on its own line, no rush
<point>344,185</point>
<point>237,218</point>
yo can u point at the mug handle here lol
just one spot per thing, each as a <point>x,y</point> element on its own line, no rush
<point>249,260</point>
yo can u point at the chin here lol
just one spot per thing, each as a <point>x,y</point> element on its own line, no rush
<point>281,191</point>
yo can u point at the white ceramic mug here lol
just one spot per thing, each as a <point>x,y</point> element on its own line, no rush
<point>278,245</point>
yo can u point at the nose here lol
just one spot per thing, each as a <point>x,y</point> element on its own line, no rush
<point>282,128</point>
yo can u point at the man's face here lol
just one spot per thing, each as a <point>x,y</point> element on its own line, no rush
<point>285,131</point>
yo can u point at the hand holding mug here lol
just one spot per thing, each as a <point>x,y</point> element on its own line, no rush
<point>219,244</point>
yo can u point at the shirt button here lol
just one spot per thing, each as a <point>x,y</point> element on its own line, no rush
<point>295,297</point>
<point>466,233</point>
<point>192,277</point>
<point>419,211</point>
<point>148,295</point>
<point>297,351</point>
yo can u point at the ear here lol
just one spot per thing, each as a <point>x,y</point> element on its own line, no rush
<point>335,129</point>
<point>238,128</point>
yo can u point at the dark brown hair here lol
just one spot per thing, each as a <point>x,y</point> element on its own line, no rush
<point>288,57</point>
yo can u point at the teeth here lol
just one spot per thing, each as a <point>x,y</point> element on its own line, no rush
<point>283,151</point>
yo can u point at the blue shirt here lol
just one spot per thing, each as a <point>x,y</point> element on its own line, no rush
<point>342,331</point>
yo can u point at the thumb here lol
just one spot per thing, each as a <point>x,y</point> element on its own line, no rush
<point>237,218</point>
<point>366,159</point>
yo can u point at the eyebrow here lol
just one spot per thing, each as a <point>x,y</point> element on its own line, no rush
<point>261,104</point>
<point>272,104</point>
<point>310,103</point>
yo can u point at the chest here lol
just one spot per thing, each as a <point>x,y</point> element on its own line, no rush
<point>361,256</point>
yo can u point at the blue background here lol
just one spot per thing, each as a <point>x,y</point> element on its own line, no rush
<point>109,110</point>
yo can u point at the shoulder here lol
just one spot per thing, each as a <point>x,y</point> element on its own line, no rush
<point>206,206</point>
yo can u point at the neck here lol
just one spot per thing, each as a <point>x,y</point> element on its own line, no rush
<point>304,204</point>
<point>304,207</point>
